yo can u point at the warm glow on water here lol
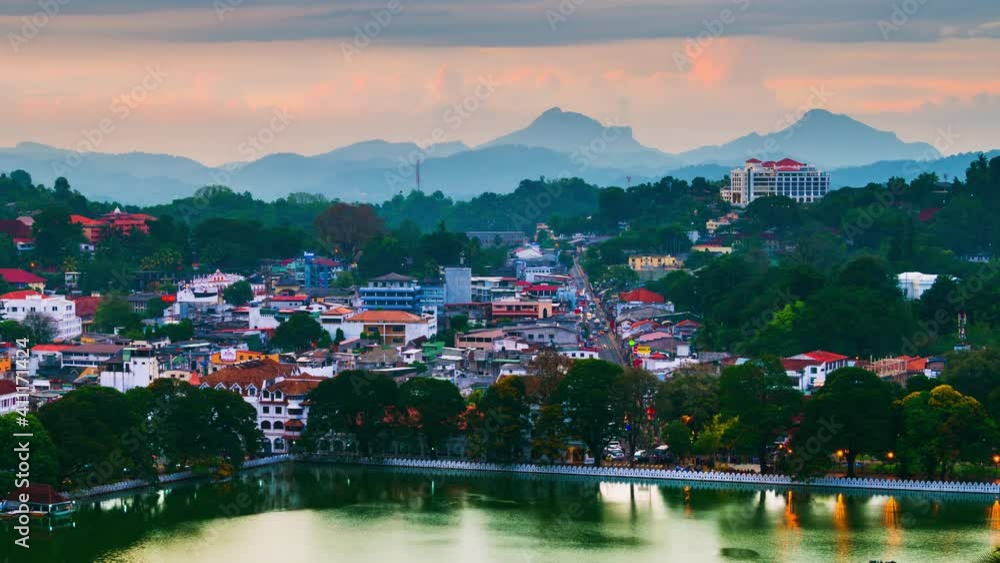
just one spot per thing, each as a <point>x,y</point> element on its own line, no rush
<point>326,513</point>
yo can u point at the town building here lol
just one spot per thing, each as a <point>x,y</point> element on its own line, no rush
<point>390,328</point>
<point>643,262</point>
<point>309,271</point>
<point>457,285</point>
<point>391,292</point>
<point>809,370</point>
<point>8,396</point>
<point>130,368</point>
<point>20,279</point>
<point>517,309</point>
<point>802,183</point>
<point>493,288</point>
<point>914,284</point>
<point>498,238</point>
<point>118,221</point>
<point>17,305</point>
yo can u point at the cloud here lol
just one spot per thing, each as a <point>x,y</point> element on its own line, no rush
<point>519,23</point>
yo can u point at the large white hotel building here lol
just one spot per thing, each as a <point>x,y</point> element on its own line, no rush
<point>801,182</point>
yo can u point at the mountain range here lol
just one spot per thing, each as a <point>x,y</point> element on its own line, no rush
<point>557,143</point>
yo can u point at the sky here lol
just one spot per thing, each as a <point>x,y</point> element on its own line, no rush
<point>200,78</point>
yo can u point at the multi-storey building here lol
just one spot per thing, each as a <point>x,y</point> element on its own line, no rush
<point>19,304</point>
<point>118,221</point>
<point>391,292</point>
<point>277,392</point>
<point>801,182</point>
<point>392,328</point>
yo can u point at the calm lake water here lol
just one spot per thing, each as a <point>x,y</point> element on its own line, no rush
<point>306,513</point>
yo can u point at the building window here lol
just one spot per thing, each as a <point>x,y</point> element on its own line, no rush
<point>265,410</point>
<point>277,410</point>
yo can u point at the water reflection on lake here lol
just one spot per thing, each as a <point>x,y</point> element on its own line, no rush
<point>320,512</point>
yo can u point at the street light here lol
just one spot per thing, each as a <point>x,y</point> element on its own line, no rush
<point>996,465</point>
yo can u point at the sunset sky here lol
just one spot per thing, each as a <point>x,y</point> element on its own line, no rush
<point>208,74</point>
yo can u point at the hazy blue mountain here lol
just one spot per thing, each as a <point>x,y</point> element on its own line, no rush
<point>947,169</point>
<point>586,139</point>
<point>826,139</point>
<point>550,146</point>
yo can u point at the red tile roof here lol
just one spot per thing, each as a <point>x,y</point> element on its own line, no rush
<point>797,365</point>
<point>258,372</point>
<point>43,494</point>
<point>788,162</point>
<point>86,305</point>
<point>641,295</point>
<point>824,356</point>
<point>15,275</point>
<point>7,387</point>
<point>22,294</point>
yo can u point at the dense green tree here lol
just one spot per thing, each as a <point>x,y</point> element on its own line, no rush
<point>693,396</point>
<point>43,459</point>
<point>976,373</point>
<point>299,332</point>
<point>435,405</point>
<point>40,326</point>
<point>849,413</point>
<point>591,398</point>
<point>93,430</point>
<point>679,437</point>
<point>115,312</point>
<point>238,294</point>
<point>549,435</point>
<point>498,427</point>
<point>344,229</point>
<point>942,427</point>
<point>762,399</point>
<point>354,401</point>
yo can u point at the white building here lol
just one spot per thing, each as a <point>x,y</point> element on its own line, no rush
<point>914,284</point>
<point>277,392</point>
<point>392,328</point>
<point>131,368</point>
<point>801,182</point>
<point>19,304</point>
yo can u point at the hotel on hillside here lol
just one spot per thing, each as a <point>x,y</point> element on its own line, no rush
<point>801,182</point>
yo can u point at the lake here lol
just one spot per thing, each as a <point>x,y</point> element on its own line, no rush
<point>318,512</point>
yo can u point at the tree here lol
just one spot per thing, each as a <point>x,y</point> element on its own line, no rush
<point>678,437</point>
<point>548,440</point>
<point>11,331</point>
<point>354,401</point>
<point>383,255</point>
<point>155,307</point>
<point>93,429</point>
<point>694,396</point>
<point>40,326</point>
<point>55,236</point>
<point>298,332</point>
<point>345,228</point>
<point>976,373</point>
<point>545,372</point>
<point>942,427</point>
<point>762,398</point>
<point>340,337</point>
<point>498,426</point>
<point>434,405</point>
<point>43,456</point>
<point>115,312</point>
<point>591,397</point>
<point>849,413</point>
<point>638,392</point>
<point>238,294</point>
<point>194,426</point>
